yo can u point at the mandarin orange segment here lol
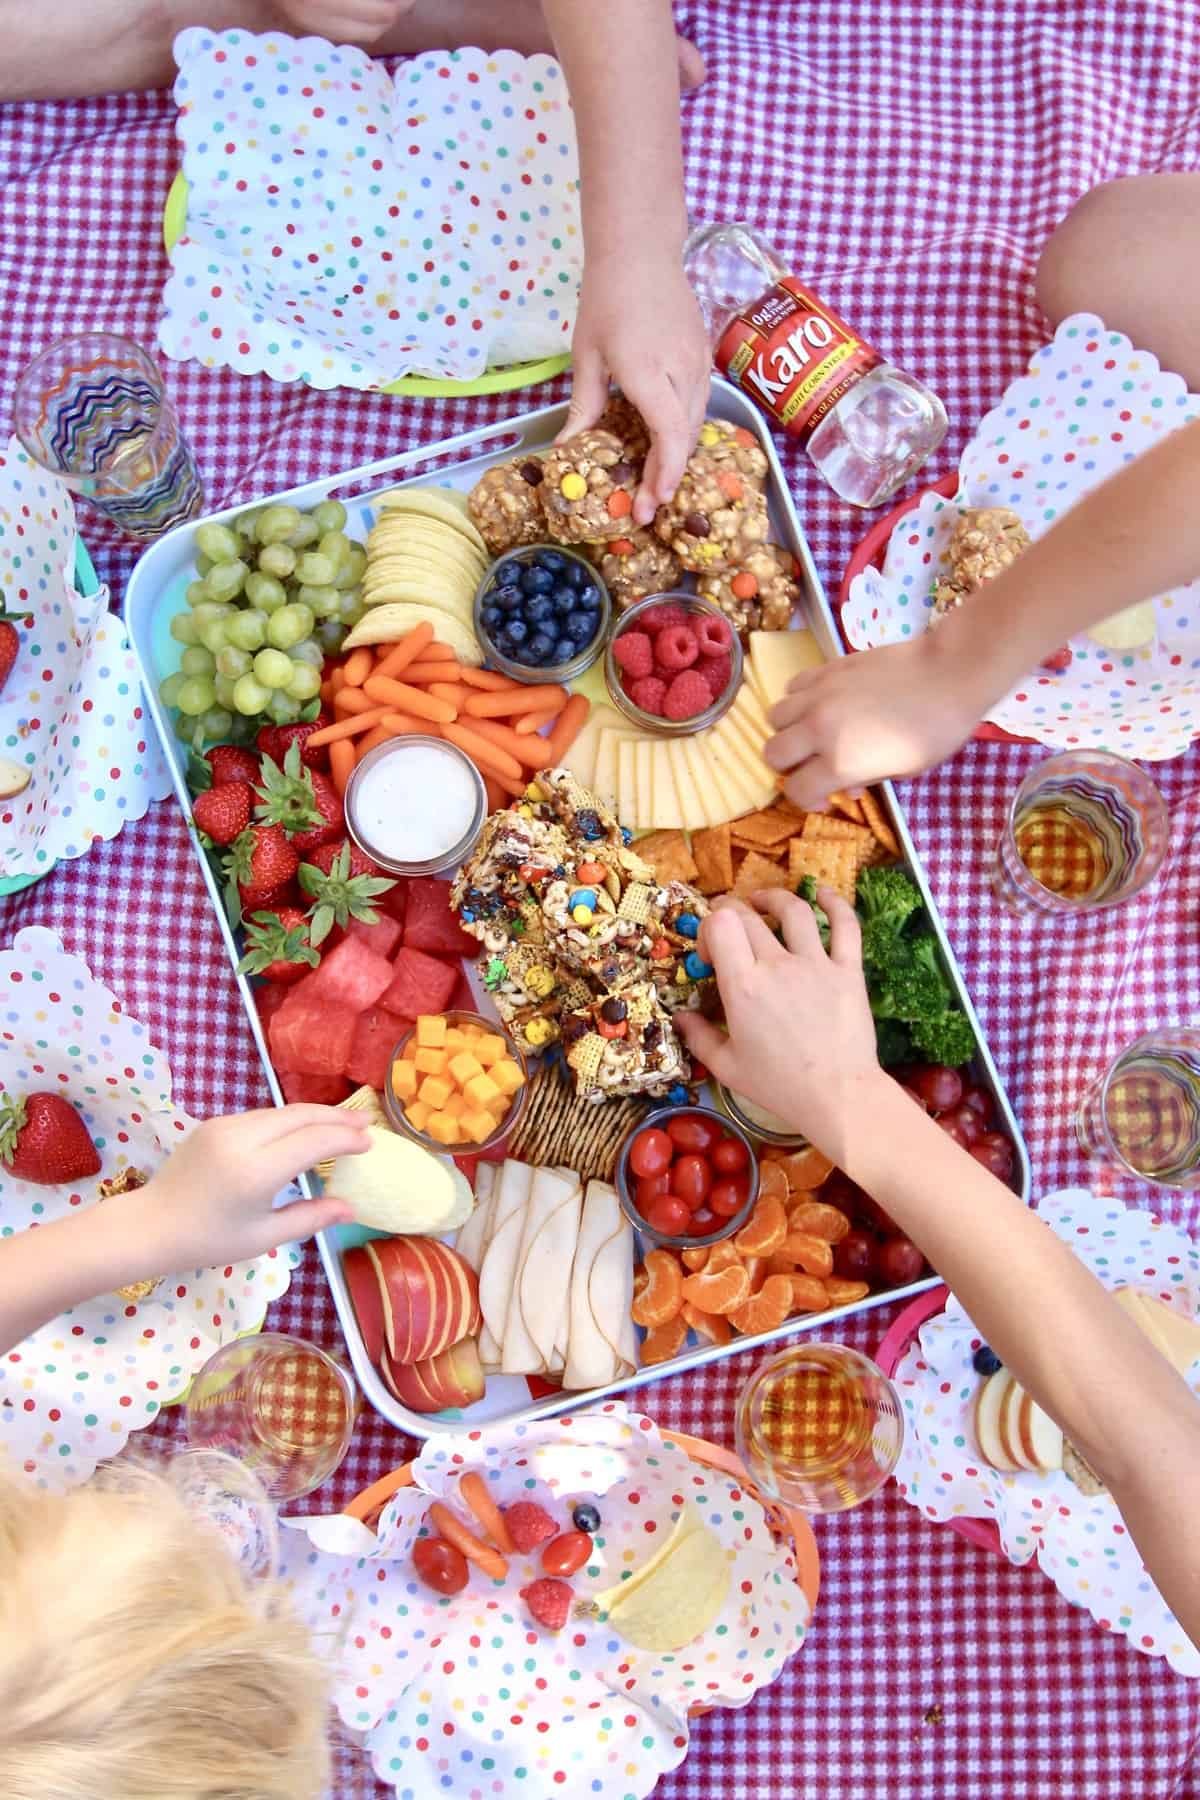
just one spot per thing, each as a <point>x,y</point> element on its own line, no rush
<point>780,1263</point>
<point>819,1219</point>
<point>696,1259</point>
<point>767,1310</point>
<point>808,1294</point>
<point>756,1269</point>
<point>722,1256</point>
<point>712,1327</point>
<point>665,1341</point>
<point>845,1293</point>
<point>773,1182</point>
<point>812,1254</point>
<point>662,1295</point>
<point>721,1293</point>
<point>765,1229</point>
<point>806,1169</point>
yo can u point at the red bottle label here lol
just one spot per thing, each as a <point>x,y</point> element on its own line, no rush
<point>794,356</point>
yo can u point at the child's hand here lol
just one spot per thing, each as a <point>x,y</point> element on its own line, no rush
<point>801,1038</point>
<point>893,711</point>
<point>639,325</point>
<point>210,1203</point>
<point>342,21</point>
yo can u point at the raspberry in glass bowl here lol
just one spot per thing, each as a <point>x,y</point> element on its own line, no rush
<point>673,664</point>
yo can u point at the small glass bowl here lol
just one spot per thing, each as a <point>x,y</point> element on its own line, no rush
<point>398,1117</point>
<point>735,1110</point>
<point>449,858</point>
<point>694,605</point>
<point>626,1180</point>
<point>536,672</point>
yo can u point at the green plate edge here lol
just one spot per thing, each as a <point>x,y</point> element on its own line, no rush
<point>86,581</point>
<point>496,381</point>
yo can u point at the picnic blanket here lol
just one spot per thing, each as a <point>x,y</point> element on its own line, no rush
<point>910,158</point>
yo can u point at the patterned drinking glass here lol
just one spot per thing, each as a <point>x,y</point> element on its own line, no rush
<point>284,1407</point>
<point>1085,830</point>
<point>93,411</point>
<point>819,1427</point>
<point>1143,1114</point>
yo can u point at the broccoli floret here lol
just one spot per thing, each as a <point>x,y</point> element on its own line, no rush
<point>886,900</point>
<point>908,982</point>
<point>945,1037</point>
<point>893,1043</point>
<point>808,891</point>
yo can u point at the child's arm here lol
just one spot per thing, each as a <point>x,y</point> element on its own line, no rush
<point>638,319</point>
<point>209,1203</point>
<point>899,710</point>
<point>801,1041</point>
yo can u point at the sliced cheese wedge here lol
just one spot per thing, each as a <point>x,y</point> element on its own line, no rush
<point>739,780</point>
<point>737,729</point>
<point>1171,1333</point>
<point>582,757</point>
<point>606,778</point>
<point>664,801</point>
<point>694,812</point>
<point>627,809</point>
<point>775,656</point>
<point>719,803</point>
<point>519,1353</point>
<point>643,753</point>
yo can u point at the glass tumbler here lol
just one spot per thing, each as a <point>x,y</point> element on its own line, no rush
<point>284,1407</point>
<point>1143,1114</point>
<point>819,1427</point>
<point>1086,829</point>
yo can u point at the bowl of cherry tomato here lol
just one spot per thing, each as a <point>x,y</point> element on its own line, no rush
<point>687,1177</point>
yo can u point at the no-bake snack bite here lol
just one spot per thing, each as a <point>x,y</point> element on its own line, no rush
<point>760,594</point>
<point>623,419</point>
<point>128,1182</point>
<point>587,494</point>
<point>733,446</point>
<point>636,565</point>
<point>505,504</point>
<point>715,518</point>
<point>985,541</point>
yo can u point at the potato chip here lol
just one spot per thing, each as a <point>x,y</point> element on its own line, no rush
<point>763,829</point>
<point>668,855</point>
<point>832,862</point>
<point>759,872</point>
<point>879,825</point>
<point>713,854</point>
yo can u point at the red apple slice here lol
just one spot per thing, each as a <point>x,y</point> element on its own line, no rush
<point>1010,1426</point>
<point>1041,1438</point>
<point>465,1284</point>
<point>435,1298</point>
<point>407,1301</point>
<point>452,1379</point>
<point>988,1402</point>
<point>366,1297</point>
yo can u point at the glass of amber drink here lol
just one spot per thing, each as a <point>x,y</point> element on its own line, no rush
<point>819,1427</point>
<point>1086,829</point>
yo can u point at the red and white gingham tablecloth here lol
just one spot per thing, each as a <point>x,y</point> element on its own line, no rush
<point>910,158</point>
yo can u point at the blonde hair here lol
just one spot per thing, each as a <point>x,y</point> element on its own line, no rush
<point>139,1662</point>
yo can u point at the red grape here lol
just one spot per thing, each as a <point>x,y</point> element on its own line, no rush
<point>730,1156</point>
<point>691,1178</point>
<point>869,1212</point>
<point>953,1129</point>
<point>913,1095</point>
<point>651,1152</point>
<point>981,1100</point>
<point>668,1215</point>
<point>854,1257</point>
<point>967,1120</point>
<point>995,1152</point>
<point>939,1088</point>
<point>728,1196</point>
<point>650,1186</point>
<point>440,1565</point>
<point>899,1261</point>
<point>691,1132</point>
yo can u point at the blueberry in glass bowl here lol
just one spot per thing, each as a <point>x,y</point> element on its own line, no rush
<point>542,613</point>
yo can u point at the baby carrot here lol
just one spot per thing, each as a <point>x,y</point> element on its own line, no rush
<point>488,756</point>
<point>348,728</point>
<point>450,691</point>
<point>418,642</point>
<point>474,1490</point>
<point>399,697</point>
<point>496,796</point>
<point>438,652</point>
<point>327,692</point>
<point>349,700</point>
<point>489,681</point>
<point>379,735</point>
<point>530,751</point>
<point>337,678</point>
<point>571,721</point>
<point>422,673</point>
<point>451,1527</point>
<point>534,722</point>
<point>341,763</point>
<point>357,667</point>
<point>523,700</point>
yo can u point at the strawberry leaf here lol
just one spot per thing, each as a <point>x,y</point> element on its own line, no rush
<point>199,773</point>
<point>288,796</point>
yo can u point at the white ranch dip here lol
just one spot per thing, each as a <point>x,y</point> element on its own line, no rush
<point>413,802</point>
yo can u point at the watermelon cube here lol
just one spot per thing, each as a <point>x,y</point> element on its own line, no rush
<point>376,1034</point>
<point>309,1035</point>
<point>350,978</point>
<point>395,901</point>
<point>269,996</point>
<point>429,920</point>
<point>315,1090</point>
<point>383,937</point>
<point>463,999</point>
<point>420,984</point>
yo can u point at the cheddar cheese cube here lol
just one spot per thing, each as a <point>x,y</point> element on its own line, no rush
<point>457,1039</point>
<point>418,1114</point>
<point>404,1080</point>
<point>435,1090</point>
<point>507,1076</point>
<point>456,1106</point>
<point>431,1062</point>
<point>444,1128</point>
<point>482,1091</point>
<point>489,1048</point>
<point>478,1125</point>
<point>464,1067</point>
<point>431,1031</point>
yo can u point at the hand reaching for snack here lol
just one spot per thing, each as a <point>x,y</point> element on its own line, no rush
<point>888,712</point>
<point>801,1040</point>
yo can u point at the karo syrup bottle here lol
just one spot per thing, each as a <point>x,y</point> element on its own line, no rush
<point>866,424</point>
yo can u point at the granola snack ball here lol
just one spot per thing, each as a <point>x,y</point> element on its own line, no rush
<point>623,419</point>
<point>635,566</point>
<point>760,594</point>
<point>732,446</point>
<point>506,505</point>
<point>588,489</point>
<point>986,540</point>
<point>715,518</point>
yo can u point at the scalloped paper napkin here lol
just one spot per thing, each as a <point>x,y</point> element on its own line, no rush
<point>1080,1544</point>
<point>345,227</point>
<point>71,711</point>
<point>1089,403</point>
<point>466,1696</point>
<point>73,1392</point>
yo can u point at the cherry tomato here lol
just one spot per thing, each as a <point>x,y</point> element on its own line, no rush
<point>981,1100</point>
<point>566,1553</point>
<point>691,1179</point>
<point>968,1121</point>
<point>854,1257</point>
<point>939,1088</point>
<point>728,1196</point>
<point>995,1152</point>
<point>899,1261</point>
<point>651,1152</point>
<point>650,1187</point>
<point>730,1156</point>
<point>440,1565</point>
<point>668,1215</point>
<point>703,1222</point>
<point>691,1132</point>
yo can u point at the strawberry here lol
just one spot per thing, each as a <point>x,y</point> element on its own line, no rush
<point>259,867</point>
<point>277,946</point>
<point>230,762</point>
<point>43,1138</point>
<point>529,1525</point>
<point>549,1601</point>
<point>276,740</point>
<point>303,801</point>
<point>360,863</point>
<point>10,646</point>
<point>223,813</point>
<point>339,894</point>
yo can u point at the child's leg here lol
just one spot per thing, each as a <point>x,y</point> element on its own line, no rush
<point>1130,251</point>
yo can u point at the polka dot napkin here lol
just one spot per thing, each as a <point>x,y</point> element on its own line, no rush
<point>1089,403</point>
<point>466,1696</point>
<point>73,1392</point>
<point>345,227</point>
<point>71,710</point>
<point>1080,1544</point>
